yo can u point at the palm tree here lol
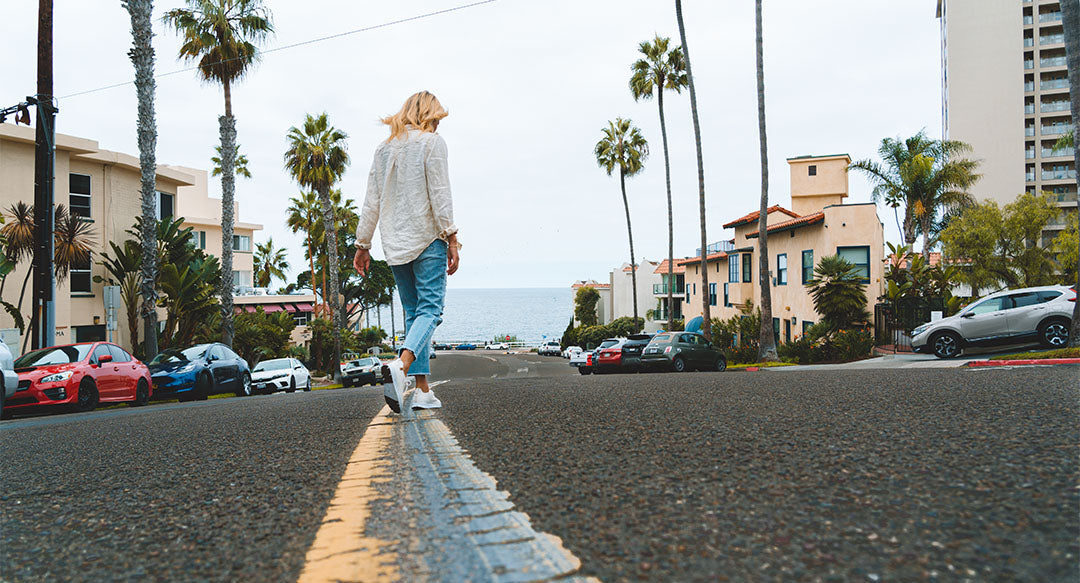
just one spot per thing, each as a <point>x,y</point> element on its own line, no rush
<point>317,158</point>
<point>222,36</point>
<point>123,269</point>
<point>1070,19</point>
<point>766,340</point>
<point>706,327</point>
<point>302,215</point>
<point>73,241</point>
<point>240,164</point>
<point>189,299</point>
<point>18,231</point>
<point>142,57</point>
<point>926,176</point>
<point>270,263</point>
<point>838,293</point>
<point>624,147</point>
<point>661,70</point>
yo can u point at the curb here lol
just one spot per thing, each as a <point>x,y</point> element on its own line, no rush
<point>1044,362</point>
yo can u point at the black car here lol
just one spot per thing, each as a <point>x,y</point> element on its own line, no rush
<point>200,371</point>
<point>682,351</point>
<point>364,371</point>
<point>439,346</point>
<point>631,351</point>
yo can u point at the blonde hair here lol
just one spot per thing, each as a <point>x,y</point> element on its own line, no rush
<point>421,110</point>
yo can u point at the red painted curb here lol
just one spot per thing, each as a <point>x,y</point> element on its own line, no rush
<point>1046,361</point>
<point>752,369</point>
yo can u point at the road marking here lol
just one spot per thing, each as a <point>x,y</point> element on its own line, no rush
<point>470,520</point>
<point>524,369</point>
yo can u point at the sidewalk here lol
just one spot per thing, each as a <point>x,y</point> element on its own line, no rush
<point>889,361</point>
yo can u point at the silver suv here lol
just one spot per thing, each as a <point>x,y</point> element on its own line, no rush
<point>1041,314</point>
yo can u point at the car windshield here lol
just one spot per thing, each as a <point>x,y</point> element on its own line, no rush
<point>169,356</point>
<point>660,339</point>
<point>195,352</point>
<point>608,343</point>
<point>54,355</point>
<point>277,364</point>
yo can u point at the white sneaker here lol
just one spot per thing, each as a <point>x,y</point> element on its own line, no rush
<point>426,400</point>
<point>395,369</point>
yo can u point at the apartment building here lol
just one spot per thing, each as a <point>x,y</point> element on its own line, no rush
<point>660,291</point>
<point>818,224</point>
<point>103,187</point>
<point>603,307</point>
<point>1005,91</point>
<point>622,293</point>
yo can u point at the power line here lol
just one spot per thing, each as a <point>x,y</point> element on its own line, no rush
<point>302,43</point>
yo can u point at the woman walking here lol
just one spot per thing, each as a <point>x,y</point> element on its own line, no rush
<point>409,193</point>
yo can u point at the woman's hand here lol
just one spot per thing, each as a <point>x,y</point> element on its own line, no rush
<point>453,258</point>
<point>362,261</point>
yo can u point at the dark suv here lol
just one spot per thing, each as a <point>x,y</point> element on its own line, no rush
<point>682,351</point>
<point>631,351</point>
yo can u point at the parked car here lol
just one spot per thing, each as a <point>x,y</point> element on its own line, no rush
<point>581,361</point>
<point>586,362</point>
<point>197,372</point>
<point>280,374</point>
<point>465,346</point>
<point>608,358</point>
<point>10,380</point>
<point>571,351</point>
<point>682,351</point>
<point>497,346</point>
<point>79,377</point>
<point>364,371</point>
<point>1034,314</point>
<point>550,348</point>
<point>631,351</point>
<point>440,346</point>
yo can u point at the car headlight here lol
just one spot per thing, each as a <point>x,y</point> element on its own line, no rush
<point>58,377</point>
<point>279,376</point>
<point>920,329</point>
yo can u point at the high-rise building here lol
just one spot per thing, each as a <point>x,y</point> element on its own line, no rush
<point>1005,91</point>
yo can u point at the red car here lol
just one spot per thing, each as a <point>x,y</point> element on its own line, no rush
<point>79,376</point>
<point>609,358</point>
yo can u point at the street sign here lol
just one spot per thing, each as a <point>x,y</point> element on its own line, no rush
<point>112,297</point>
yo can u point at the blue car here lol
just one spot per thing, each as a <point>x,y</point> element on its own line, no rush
<point>200,371</point>
<point>466,346</point>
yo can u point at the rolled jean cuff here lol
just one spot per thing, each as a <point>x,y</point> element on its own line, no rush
<point>418,341</point>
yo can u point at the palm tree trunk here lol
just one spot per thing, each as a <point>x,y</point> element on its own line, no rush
<point>630,236</point>
<point>1070,20</point>
<point>766,340</point>
<point>926,224</point>
<point>706,316</point>
<point>228,183</point>
<point>670,222</point>
<point>142,56</point>
<point>332,258</point>
<point>909,227</point>
<point>22,293</point>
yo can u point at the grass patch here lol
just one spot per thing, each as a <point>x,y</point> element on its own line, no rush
<point>1041,354</point>
<point>760,365</point>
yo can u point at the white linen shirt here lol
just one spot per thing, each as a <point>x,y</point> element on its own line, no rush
<point>409,192</point>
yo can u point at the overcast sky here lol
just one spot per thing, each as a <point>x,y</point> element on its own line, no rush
<point>529,84</point>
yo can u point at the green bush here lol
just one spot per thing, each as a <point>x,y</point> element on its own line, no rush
<point>819,345</point>
<point>738,336</point>
<point>322,344</point>
<point>259,336</point>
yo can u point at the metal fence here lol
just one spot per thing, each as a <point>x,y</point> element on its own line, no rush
<point>894,321</point>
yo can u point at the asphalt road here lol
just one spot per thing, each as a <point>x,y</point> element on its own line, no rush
<point>828,475</point>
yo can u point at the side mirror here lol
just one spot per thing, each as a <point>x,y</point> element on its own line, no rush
<point>104,358</point>
<point>967,315</point>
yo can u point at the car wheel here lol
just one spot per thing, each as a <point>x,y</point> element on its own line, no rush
<point>583,370</point>
<point>204,385</point>
<point>678,364</point>
<point>721,364</point>
<point>87,398</point>
<point>307,387</point>
<point>946,345</point>
<point>1054,334</point>
<point>292,385</point>
<point>142,394</point>
<point>244,388</point>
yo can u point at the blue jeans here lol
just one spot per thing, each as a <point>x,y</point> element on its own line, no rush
<point>421,285</point>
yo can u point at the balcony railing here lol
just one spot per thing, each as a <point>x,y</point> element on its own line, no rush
<point>1028,19</point>
<point>1029,65</point>
<point>1049,16</point>
<point>1052,62</point>
<point>1054,153</point>
<point>1051,39</point>
<point>1054,106</point>
<point>1063,197</point>
<point>1029,42</point>
<point>1029,177</point>
<point>1058,174</point>
<point>661,289</point>
<point>1055,129</point>
<point>1029,108</point>
<point>1029,86</point>
<point>1054,84</point>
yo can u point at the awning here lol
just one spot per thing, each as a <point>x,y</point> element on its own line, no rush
<point>302,307</point>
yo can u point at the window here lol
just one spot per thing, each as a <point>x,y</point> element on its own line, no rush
<point>165,205</point>
<point>1046,296</point>
<point>787,331</point>
<point>813,170</point>
<point>990,305</point>
<point>241,278</point>
<point>806,326</point>
<point>79,194</point>
<point>80,276</point>
<point>302,318</point>
<point>807,266</point>
<point>215,353</point>
<point>198,239</point>
<point>99,351</point>
<point>119,354</point>
<point>727,301</point>
<point>241,243</point>
<point>746,269</point>
<point>859,257</point>
<point>733,270</point>
<point>1025,299</point>
<point>712,294</point>
<point>781,269</point>
<point>776,330</point>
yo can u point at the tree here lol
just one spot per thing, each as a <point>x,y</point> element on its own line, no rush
<point>222,37</point>
<point>18,232</point>
<point>240,164</point>
<point>706,317</point>
<point>999,246</point>
<point>260,335</point>
<point>624,147</point>
<point>925,176</point>
<point>123,269</point>
<point>188,299</point>
<point>766,340</point>
<point>838,293</point>
<point>661,70</point>
<point>142,57</point>
<point>1067,247</point>
<point>1070,19</point>
<point>270,263</point>
<point>317,159</point>
<point>569,336</point>
<point>585,306</point>
<point>303,215</point>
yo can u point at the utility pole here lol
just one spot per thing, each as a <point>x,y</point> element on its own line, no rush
<point>43,319</point>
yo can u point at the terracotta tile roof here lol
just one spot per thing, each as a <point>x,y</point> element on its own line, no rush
<point>754,216</point>
<point>935,259</point>
<point>690,260</point>
<point>590,283</point>
<point>677,268</point>
<point>803,221</point>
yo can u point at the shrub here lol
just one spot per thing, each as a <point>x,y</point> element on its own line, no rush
<point>569,337</point>
<point>821,345</point>
<point>322,344</point>
<point>259,336</point>
<point>738,336</point>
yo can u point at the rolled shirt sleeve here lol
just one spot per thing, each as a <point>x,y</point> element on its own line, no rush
<point>438,183</point>
<point>369,214</point>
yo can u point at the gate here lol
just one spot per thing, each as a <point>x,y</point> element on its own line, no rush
<point>894,321</point>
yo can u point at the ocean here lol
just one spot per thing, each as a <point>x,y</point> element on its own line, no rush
<point>477,315</point>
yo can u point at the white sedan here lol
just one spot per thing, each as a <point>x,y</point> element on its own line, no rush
<point>497,346</point>
<point>286,374</point>
<point>571,351</point>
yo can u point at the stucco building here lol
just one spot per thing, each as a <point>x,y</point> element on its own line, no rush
<point>103,187</point>
<point>818,224</point>
<point>603,307</point>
